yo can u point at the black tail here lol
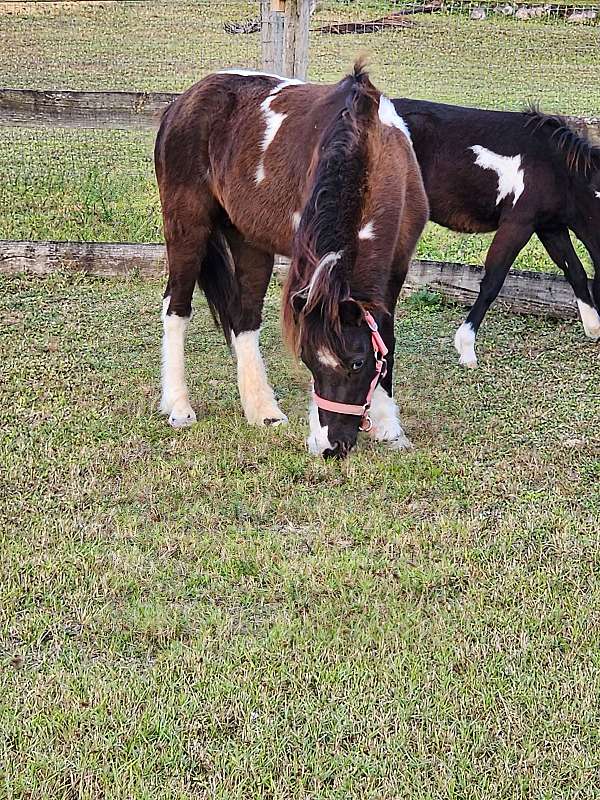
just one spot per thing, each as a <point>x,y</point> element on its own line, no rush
<point>217,281</point>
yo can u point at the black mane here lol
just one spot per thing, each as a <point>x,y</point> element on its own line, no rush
<point>582,157</point>
<point>326,242</point>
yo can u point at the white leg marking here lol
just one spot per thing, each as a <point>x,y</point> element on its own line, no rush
<point>590,319</point>
<point>175,401</point>
<point>390,117</point>
<point>318,438</point>
<point>386,421</point>
<point>258,400</point>
<point>367,231</point>
<point>507,168</point>
<point>464,341</point>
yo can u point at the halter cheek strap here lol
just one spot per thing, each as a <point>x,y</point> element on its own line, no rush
<point>380,351</point>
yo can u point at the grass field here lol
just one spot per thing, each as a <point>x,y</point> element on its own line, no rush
<point>214,613</point>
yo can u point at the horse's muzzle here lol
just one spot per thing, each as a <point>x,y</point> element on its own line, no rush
<point>340,449</point>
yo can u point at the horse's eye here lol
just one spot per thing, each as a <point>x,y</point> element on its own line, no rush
<point>356,365</point>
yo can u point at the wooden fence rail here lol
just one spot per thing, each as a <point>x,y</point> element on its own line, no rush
<point>524,292</point>
<point>30,108</point>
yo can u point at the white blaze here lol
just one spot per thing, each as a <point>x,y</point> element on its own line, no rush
<point>507,168</point>
<point>327,358</point>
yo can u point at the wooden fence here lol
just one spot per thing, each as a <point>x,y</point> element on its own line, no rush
<point>523,292</point>
<point>284,51</point>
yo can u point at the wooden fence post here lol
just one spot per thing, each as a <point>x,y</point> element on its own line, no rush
<point>284,36</point>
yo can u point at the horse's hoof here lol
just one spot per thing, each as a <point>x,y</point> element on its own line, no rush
<point>182,418</point>
<point>274,422</point>
<point>401,442</point>
<point>469,364</point>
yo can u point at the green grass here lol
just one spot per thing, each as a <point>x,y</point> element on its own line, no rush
<point>215,613</point>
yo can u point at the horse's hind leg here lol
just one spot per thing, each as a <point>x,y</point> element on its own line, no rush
<point>511,237</point>
<point>188,224</point>
<point>253,270</point>
<point>560,249</point>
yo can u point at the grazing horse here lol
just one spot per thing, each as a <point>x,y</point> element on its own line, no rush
<point>251,164</point>
<point>516,174</point>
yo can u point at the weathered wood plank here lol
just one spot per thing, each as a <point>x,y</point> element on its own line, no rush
<point>31,108</point>
<point>105,260</point>
<point>62,109</point>
<point>524,292</point>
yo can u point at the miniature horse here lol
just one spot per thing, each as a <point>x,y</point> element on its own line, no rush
<point>250,164</point>
<point>517,174</point>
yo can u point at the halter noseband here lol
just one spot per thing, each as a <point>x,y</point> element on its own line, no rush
<point>380,351</point>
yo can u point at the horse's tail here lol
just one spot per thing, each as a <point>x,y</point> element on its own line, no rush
<point>217,280</point>
<point>326,241</point>
<point>580,155</point>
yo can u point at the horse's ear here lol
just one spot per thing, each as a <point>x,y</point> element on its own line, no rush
<point>350,312</point>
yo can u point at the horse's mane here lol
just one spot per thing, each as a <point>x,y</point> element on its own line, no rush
<point>326,242</point>
<point>581,157</point>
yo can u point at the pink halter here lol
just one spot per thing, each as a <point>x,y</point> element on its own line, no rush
<point>380,351</point>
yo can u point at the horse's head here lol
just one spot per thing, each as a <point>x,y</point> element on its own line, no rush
<point>338,340</point>
<point>328,326</point>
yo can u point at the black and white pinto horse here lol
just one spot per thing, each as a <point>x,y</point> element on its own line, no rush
<point>517,174</point>
<point>251,164</point>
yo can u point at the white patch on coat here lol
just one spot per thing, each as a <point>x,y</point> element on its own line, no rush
<point>296,217</point>
<point>386,421</point>
<point>256,394</point>
<point>464,341</point>
<point>507,168</point>
<point>590,319</point>
<point>327,358</point>
<point>390,117</point>
<point>273,120</point>
<point>318,438</point>
<point>367,231</point>
<point>597,195</point>
<point>175,402</point>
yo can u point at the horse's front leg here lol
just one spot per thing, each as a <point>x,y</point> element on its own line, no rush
<point>385,415</point>
<point>253,270</point>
